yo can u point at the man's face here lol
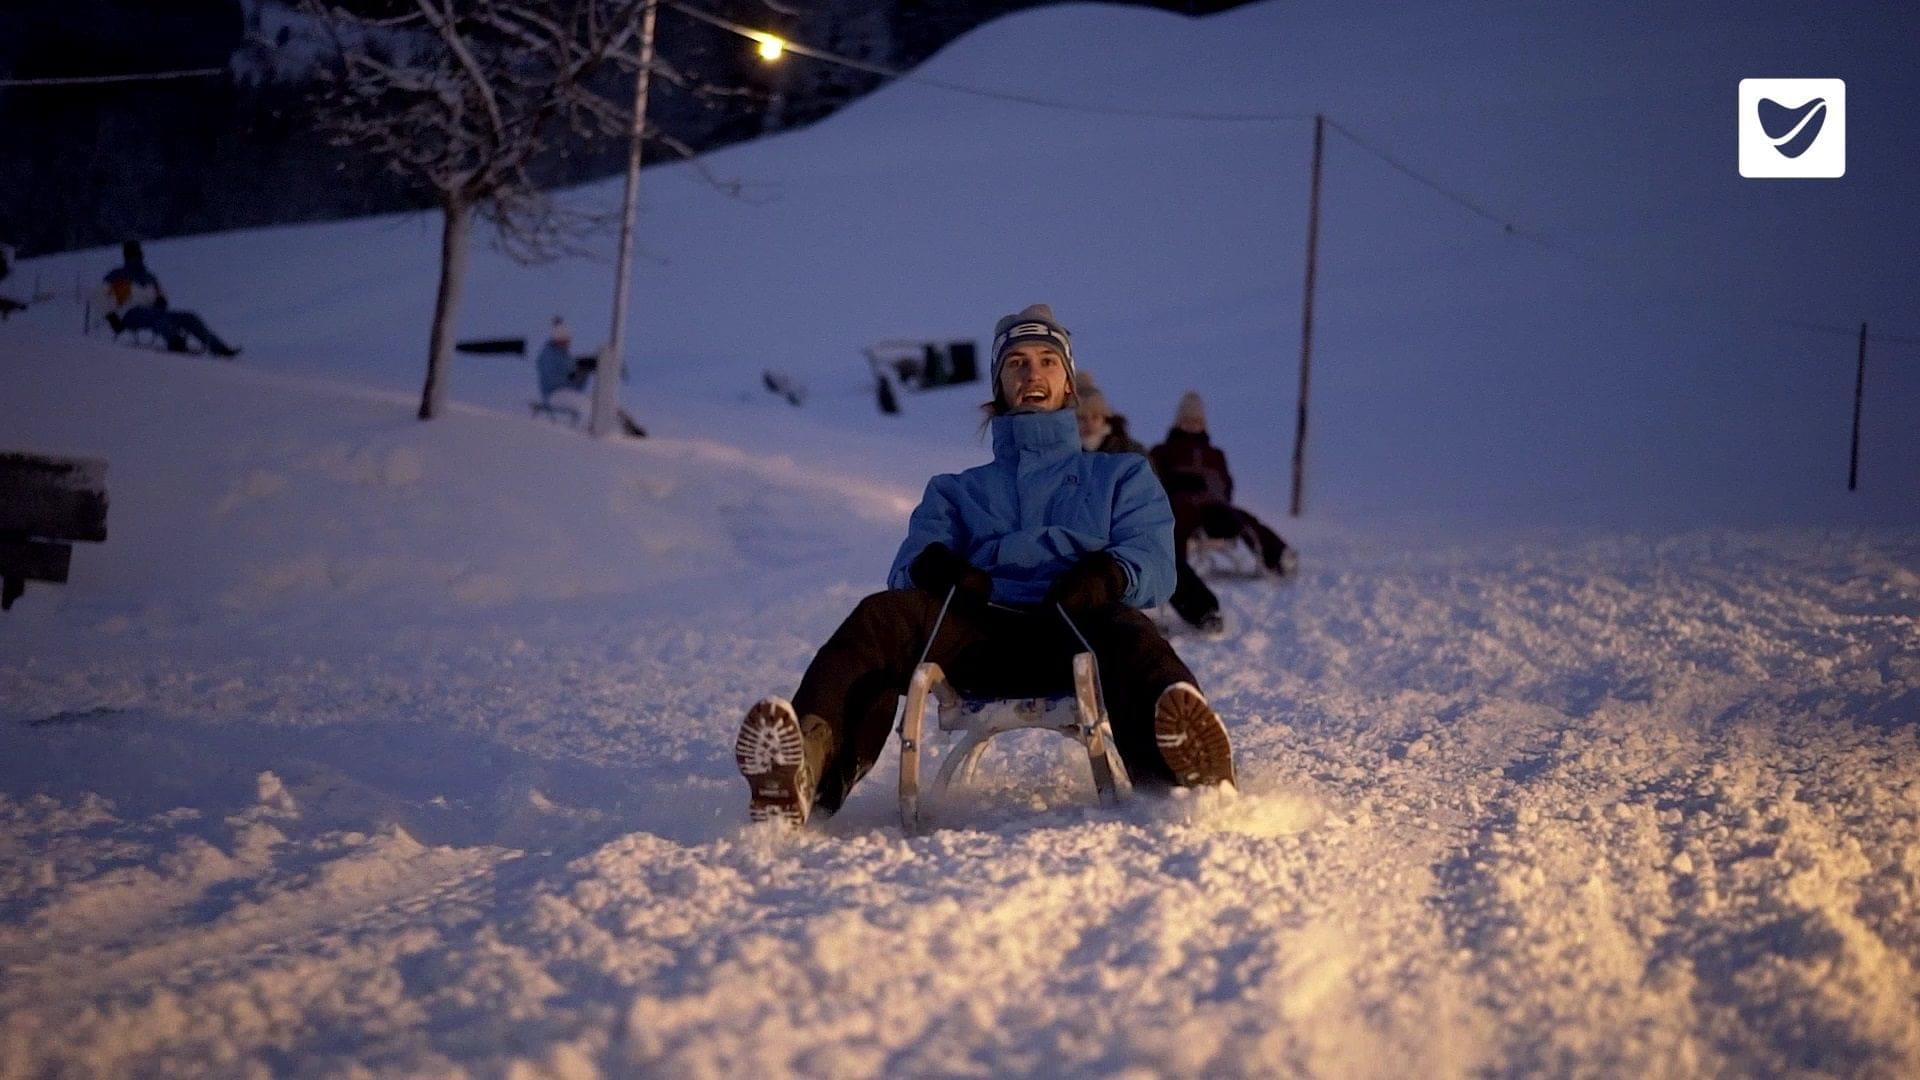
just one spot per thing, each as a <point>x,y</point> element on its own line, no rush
<point>1033,378</point>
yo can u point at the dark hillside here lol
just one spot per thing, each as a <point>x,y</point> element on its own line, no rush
<point>81,166</point>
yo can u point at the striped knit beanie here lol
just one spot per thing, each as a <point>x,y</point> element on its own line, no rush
<point>1035,323</point>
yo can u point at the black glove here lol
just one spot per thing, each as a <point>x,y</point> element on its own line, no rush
<point>1096,581</point>
<point>937,569</point>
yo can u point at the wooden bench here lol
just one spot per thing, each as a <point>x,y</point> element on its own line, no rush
<point>45,502</point>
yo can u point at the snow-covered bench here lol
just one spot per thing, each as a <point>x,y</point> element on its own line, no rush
<point>44,502</point>
<point>1081,717</point>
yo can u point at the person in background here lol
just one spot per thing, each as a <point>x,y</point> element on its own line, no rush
<point>558,369</point>
<point>1101,428</point>
<point>1194,472</point>
<point>1103,431</point>
<point>133,300</point>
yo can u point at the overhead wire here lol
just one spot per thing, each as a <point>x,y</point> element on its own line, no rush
<point>100,80</point>
<point>1468,203</point>
<point>1451,195</point>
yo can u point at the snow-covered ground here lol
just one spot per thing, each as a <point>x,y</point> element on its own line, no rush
<point>371,746</point>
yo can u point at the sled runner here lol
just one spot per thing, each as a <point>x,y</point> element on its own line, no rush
<point>1222,557</point>
<point>566,414</point>
<point>971,721</point>
<point>1171,625</point>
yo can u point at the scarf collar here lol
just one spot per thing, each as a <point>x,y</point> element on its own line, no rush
<point>1047,434</point>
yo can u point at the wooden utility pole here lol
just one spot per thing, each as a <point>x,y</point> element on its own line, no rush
<point>1859,387</point>
<point>1306,315</point>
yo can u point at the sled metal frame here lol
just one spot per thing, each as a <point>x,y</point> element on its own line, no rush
<point>1223,557</point>
<point>555,413</point>
<point>1236,558</point>
<point>1080,716</point>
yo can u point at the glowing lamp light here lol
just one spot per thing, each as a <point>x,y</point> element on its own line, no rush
<point>771,47</point>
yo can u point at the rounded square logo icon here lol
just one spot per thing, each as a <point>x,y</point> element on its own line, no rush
<point>1793,129</point>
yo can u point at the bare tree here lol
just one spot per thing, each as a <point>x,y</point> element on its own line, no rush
<point>465,98</point>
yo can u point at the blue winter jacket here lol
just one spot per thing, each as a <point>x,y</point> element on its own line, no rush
<point>556,370</point>
<point>1041,504</point>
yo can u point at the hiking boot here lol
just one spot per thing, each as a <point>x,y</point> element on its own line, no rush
<point>1286,566</point>
<point>1212,625</point>
<point>780,761</point>
<point>1192,740</point>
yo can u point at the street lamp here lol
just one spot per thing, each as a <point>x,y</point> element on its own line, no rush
<point>770,47</point>
<point>606,384</point>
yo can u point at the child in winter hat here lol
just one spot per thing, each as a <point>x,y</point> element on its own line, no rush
<point>1034,323</point>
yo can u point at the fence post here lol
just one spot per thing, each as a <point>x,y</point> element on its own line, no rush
<point>1859,387</point>
<point>1306,316</point>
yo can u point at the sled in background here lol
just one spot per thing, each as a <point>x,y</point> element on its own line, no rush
<point>562,406</point>
<point>1236,558</point>
<point>516,347</point>
<point>118,331</point>
<point>919,365</point>
<point>1081,716</point>
<point>784,386</point>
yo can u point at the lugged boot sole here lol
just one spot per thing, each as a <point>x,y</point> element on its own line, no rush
<point>1192,740</point>
<point>771,753</point>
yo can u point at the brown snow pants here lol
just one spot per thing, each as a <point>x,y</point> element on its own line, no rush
<point>856,679</point>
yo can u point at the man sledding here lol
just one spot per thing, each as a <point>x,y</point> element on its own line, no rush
<point>132,299</point>
<point>1043,546</point>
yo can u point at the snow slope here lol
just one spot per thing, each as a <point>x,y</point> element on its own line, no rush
<point>367,746</point>
<point>1645,365</point>
<point>312,775</point>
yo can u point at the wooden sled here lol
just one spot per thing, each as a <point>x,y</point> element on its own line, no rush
<point>1236,559</point>
<point>1081,716</point>
<point>559,414</point>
